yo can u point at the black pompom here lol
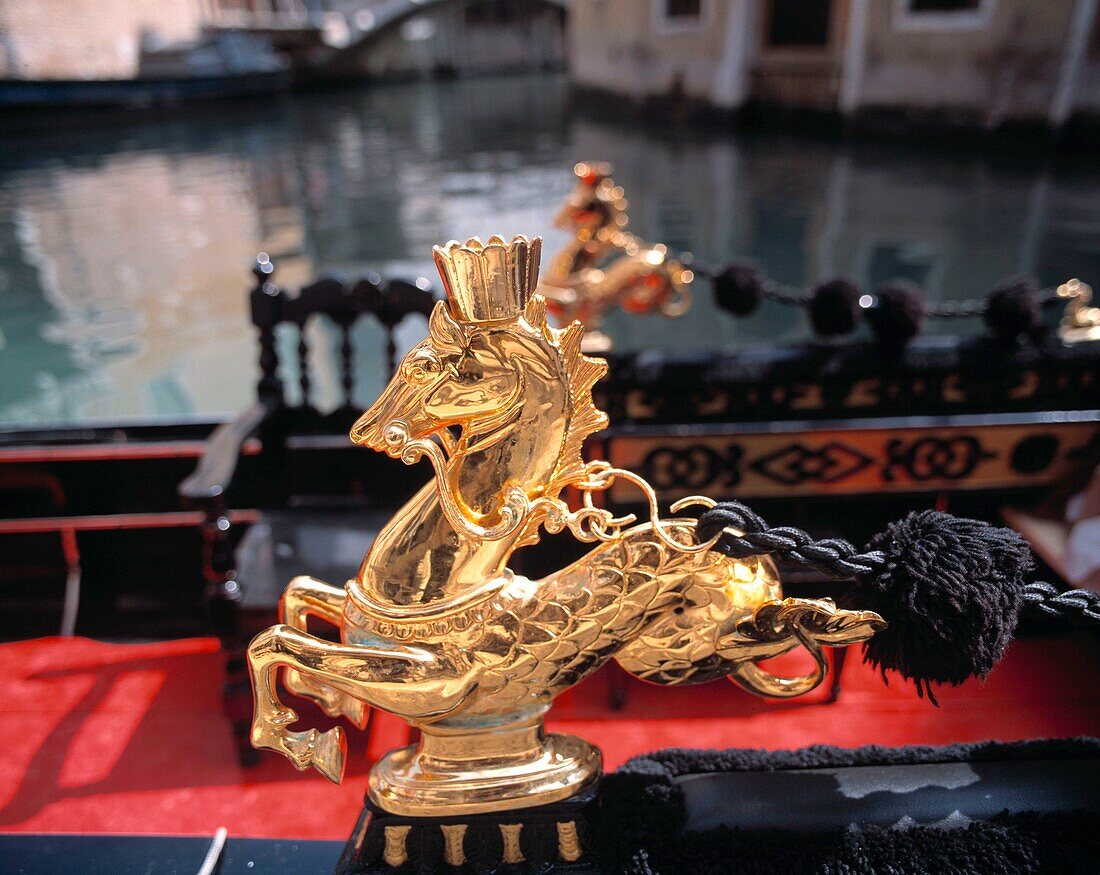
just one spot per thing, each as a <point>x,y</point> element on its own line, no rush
<point>1012,310</point>
<point>834,307</point>
<point>951,591</point>
<point>739,288</point>
<point>897,314</point>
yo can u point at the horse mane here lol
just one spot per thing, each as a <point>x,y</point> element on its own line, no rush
<point>585,418</point>
<point>582,373</point>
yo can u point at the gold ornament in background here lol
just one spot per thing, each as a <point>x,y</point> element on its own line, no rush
<point>436,628</point>
<point>604,266</point>
<point>1081,320</point>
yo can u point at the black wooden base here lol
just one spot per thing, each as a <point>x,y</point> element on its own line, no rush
<point>546,839</point>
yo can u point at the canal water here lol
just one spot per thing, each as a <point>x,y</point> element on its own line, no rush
<point>125,249</point>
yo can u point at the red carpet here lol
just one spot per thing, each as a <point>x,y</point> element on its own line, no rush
<point>130,738</point>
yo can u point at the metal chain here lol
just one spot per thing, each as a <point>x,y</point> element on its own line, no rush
<point>955,309</point>
<point>976,307</point>
<point>786,294</point>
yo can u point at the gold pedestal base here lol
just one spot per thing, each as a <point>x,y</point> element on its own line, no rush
<point>459,771</point>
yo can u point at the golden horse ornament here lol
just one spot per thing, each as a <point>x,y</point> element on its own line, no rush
<point>436,629</point>
<point>604,266</point>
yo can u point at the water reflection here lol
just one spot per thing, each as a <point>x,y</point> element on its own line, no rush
<point>124,251</point>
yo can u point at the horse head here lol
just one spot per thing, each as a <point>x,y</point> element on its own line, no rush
<point>453,380</point>
<point>494,396</point>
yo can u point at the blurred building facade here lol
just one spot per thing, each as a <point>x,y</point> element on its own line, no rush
<point>105,39</point>
<point>977,63</point>
<point>83,39</point>
<point>980,63</point>
<point>335,39</point>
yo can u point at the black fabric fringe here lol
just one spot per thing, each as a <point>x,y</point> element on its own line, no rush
<point>642,815</point>
<point>1006,844</point>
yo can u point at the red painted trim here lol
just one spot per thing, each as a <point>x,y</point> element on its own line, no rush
<point>118,452</point>
<point>109,522</point>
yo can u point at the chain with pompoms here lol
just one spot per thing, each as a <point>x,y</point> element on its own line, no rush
<point>895,312</point>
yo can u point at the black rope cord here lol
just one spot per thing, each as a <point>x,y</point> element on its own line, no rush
<point>833,556</point>
<point>841,559</point>
<point>1075,606</point>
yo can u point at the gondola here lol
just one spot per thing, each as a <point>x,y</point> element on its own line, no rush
<point>814,432</point>
<point>835,437</point>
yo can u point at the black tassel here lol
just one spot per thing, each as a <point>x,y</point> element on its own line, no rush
<point>951,590</point>
<point>834,307</point>
<point>1012,310</point>
<point>897,314</point>
<point>739,288</point>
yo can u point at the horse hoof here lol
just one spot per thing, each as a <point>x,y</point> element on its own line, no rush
<point>329,754</point>
<point>355,711</point>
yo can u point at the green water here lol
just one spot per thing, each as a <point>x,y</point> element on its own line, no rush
<point>125,249</point>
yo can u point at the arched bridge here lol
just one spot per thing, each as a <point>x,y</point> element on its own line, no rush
<point>382,18</point>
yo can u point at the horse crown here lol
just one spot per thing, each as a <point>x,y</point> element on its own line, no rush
<point>489,282</point>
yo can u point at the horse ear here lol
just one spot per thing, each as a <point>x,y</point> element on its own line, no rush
<point>443,328</point>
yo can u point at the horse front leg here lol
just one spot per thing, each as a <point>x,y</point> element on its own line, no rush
<point>409,681</point>
<point>305,597</point>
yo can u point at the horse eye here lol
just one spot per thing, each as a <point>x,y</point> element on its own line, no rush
<point>421,369</point>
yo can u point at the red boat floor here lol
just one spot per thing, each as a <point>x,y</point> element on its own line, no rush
<point>131,738</point>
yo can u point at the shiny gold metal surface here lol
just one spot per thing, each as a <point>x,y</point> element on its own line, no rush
<point>437,629</point>
<point>1080,321</point>
<point>604,266</point>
